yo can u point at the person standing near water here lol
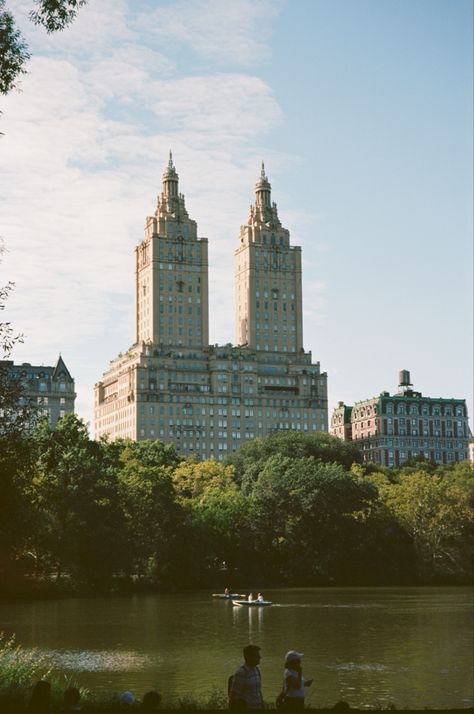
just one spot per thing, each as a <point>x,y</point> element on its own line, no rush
<point>246,688</point>
<point>294,682</point>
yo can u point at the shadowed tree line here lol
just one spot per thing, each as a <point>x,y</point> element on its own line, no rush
<point>291,508</point>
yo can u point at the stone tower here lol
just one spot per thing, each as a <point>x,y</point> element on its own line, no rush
<point>171,274</point>
<point>268,295</point>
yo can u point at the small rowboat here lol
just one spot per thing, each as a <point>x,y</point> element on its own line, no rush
<point>252,603</point>
<point>230,596</point>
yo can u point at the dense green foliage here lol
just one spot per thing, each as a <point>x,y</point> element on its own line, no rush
<point>288,509</point>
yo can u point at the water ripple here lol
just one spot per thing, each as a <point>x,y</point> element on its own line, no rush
<point>360,667</point>
<point>97,660</point>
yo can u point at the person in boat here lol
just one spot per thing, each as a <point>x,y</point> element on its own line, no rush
<point>245,691</point>
<point>250,597</point>
<point>260,597</point>
<point>227,592</point>
<point>294,683</point>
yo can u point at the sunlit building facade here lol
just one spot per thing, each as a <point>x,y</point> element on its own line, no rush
<point>207,399</point>
<point>392,429</point>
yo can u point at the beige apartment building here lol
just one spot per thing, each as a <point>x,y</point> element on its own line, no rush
<point>392,429</point>
<point>207,399</point>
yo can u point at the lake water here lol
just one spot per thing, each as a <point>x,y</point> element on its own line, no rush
<point>370,646</point>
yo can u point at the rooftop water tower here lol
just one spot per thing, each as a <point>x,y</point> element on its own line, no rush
<point>404,383</point>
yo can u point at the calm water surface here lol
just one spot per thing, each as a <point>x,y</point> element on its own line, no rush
<point>409,646</point>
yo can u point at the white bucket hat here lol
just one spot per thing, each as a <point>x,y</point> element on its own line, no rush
<point>292,655</point>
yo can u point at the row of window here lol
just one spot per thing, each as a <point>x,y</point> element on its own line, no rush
<point>45,400</point>
<point>211,412</point>
<point>414,442</point>
<point>266,293</point>
<point>180,310</point>
<point>180,299</point>
<point>276,324</point>
<point>425,409</point>
<point>275,307</point>
<point>189,399</point>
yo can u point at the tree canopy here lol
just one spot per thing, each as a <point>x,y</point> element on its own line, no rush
<point>250,459</point>
<point>77,513</point>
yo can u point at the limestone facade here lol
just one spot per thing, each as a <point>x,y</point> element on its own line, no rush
<point>268,299</point>
<point>207,399</point>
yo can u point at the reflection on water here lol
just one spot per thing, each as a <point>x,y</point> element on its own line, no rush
<point>331,605</point>
<point>90,661</point>
<point>409,646</point>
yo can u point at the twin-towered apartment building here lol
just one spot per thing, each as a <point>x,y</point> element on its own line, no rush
<point>207,399</point>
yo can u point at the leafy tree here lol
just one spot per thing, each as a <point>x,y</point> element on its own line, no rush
<point>309,519</point>
<point>54,15</point>
<point>16,509</point>
<point>218,515</point>
<point>193,479</point>
<point>81,527</point>
<point>250,459</point>
<point>152,516</point>
<point>437,511</point>
<point>148,452</point>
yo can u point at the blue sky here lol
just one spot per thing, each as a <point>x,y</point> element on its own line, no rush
<point>362,111</point>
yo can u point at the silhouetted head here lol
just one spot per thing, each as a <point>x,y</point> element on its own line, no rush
<point>252,655</point>
<point>71,698</point>
<point>40,698</point>
<point>151,702</point>
<point>341,707</point>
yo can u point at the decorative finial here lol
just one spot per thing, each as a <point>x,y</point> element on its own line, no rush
<point>262,173</point>
<point>170,162</point>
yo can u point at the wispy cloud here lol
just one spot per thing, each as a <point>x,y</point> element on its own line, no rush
<point>227,32</point>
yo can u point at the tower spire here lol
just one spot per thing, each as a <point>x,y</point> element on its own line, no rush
<point>170,179</point>
<point>263,191</point>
